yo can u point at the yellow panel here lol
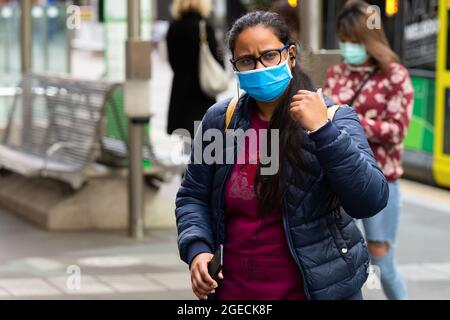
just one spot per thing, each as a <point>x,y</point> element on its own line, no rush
<point>441,166</point>
<point>442,173</point>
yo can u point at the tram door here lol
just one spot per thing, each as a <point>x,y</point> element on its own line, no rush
<point>442,143</point>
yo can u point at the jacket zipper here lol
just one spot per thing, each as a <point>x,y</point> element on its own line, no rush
<point>221,207</point>
<point>294,255</point>
<point>222,192</point>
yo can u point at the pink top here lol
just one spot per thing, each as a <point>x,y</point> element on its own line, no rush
<point>385,107</point>
<point>258,264</point>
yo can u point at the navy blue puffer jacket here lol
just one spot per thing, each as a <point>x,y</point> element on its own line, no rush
<point>343,183</point>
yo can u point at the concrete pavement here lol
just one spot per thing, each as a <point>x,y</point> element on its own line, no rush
<point>422,248</point>
<point>35,264</point>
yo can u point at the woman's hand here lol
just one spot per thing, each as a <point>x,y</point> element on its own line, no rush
<point>309,109</point>
<point>202,283</point>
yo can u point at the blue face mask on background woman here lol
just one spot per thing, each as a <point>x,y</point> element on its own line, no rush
<point>266,85</point>
<point>354,53</point>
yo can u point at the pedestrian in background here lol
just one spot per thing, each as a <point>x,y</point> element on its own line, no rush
<point>380,90</point>
<point>285,236</point>
<point>290,16</point>
<point>292,19</point>
<point>187,101</point>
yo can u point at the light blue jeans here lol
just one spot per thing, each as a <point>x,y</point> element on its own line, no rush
<point>383,228</point>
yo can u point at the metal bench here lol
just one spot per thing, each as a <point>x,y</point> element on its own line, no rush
<point>54,127</point>
<point>57,129</point>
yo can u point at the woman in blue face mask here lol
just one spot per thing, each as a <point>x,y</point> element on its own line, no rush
<point>282,233</point>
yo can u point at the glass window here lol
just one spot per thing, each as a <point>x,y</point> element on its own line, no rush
<point>447,95</point>
<point>10,43</point>
<point>9,56</point>
<point>50,43</point>
<point>420,34</point>
<point>448,38</point>
<point>447,123</point>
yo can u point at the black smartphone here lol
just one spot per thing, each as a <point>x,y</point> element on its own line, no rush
<point>216,264</point>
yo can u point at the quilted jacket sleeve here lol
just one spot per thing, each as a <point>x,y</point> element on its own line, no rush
<point>195,232</point>
<point>351,168</point>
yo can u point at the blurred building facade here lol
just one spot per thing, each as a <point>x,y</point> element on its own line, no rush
<point>418,30</point>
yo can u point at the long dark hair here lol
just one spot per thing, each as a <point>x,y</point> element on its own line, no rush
<point>270,190</point>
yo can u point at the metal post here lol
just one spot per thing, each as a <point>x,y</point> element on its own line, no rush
<point>70,35</point>
<point>26,51</point>
<point>135,129</point>
<point>26,36</point>
<point>155,10</point>
<point>134,19</point>
<point>311,23</point>
<point>46,38</point>
<point>8,43</point>
<point>135,180</point>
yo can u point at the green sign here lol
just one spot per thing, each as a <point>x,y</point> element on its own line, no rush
<point>421,131</point>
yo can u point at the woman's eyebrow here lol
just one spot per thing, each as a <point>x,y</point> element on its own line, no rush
<point>245,56</point>
<point>253,56</point>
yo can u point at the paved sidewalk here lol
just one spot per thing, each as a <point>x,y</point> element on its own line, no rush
<point>35,264</point>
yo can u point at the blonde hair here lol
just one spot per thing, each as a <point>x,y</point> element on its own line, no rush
<point>352,25</point>
<point>203,7</point>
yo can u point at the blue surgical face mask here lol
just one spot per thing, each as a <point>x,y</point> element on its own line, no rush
<point>354,53</point>
<point>266,85</point>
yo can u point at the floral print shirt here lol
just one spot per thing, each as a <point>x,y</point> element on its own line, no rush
<point>384,106</point>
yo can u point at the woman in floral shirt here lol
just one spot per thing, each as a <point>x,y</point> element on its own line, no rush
<point>379,88</point>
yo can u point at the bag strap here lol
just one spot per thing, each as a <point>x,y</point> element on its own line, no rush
<point>230,112</point>
<point>233,103</point>
<point>332,111</point>
<point>358,92</point>
<point>203,33</point>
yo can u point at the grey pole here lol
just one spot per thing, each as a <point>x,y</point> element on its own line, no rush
<point>26,50</point>
<point>134,19</point>
<point>311,23</point>
<point>135,179</point>
<point>26,36</point>
<point>135,129</point>
<point>315,59</point>
<point>8,42</point>
<point>46,39</point>
<point>155,10</point>
<point>68,43</point>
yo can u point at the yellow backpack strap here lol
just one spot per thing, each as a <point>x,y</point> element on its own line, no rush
<point>332,111</point>
<point>230,112</point>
